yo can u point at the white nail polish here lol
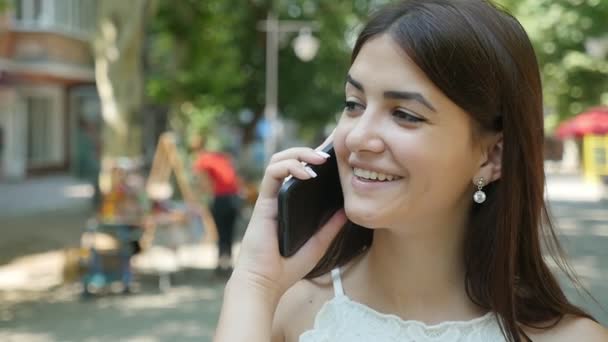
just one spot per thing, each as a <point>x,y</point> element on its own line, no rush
<point>310,172</point>
<point>323,154</point>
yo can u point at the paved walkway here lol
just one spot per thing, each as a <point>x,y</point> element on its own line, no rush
<point>583,232</point>
<point>187,312</point>
<point>42,214</point>
<point>45,194</point>
<point>572,188</point>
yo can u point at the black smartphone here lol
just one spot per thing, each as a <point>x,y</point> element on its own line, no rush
<point>305,205</point>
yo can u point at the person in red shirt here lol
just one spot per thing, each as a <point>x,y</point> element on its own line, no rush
<point>218,174</point>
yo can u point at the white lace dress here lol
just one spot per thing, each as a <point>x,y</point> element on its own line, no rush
<point>342,319</point>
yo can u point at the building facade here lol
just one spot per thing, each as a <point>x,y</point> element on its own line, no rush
<point>47,86</point>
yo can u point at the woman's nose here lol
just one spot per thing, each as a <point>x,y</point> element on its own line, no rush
<point>365,135</point>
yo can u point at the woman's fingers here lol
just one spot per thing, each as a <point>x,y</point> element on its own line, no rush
<point>303,154</point>
<point>288,163</point>
<point>276,173</point>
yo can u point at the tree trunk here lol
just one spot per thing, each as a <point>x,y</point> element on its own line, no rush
<point>118,70</point>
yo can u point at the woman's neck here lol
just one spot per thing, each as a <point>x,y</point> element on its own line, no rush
<point>419,275</point>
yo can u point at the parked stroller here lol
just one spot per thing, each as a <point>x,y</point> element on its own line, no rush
<point>108,264</point>
<point>113,236</point>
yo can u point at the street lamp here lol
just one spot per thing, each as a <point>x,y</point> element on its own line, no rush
<point>597,47</point>
<point>305,47</point>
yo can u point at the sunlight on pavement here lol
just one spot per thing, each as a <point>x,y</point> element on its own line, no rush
<point>171,299</point>
<point>43,271</point>
<point>600,230</point>
<point>34,195</point>
<point>573,189</point>
<point>78,191</point>
<point>184,329</point>
<point>29,337</point>
<point>34,272</point>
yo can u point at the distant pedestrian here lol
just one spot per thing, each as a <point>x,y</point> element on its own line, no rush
<point>218,175</point>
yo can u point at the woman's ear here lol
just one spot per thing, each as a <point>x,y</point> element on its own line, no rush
<point>491,159</point>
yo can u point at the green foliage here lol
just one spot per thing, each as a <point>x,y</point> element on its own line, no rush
<point>210,54</point>
<point>573,80</point>
<point>194,58</point>
<point>4,4</point>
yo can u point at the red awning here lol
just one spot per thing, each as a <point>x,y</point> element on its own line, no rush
<point>592,121</point>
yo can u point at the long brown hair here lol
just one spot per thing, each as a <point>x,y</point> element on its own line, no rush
<point>480,57</point>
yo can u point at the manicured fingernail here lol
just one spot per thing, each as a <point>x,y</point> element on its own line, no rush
<point>310,172</point>
<point>323,154</point>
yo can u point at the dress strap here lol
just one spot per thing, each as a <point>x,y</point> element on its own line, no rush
<point>335,276</point>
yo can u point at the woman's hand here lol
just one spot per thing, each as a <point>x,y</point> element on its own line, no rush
<point>262,275</point>
<point>260,263</point>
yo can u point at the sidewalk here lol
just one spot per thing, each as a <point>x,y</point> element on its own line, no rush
<point>44,194</point>
<point>573,188</point>
<point>42,214</point>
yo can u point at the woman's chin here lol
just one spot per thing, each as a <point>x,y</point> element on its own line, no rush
<point>365,218</point>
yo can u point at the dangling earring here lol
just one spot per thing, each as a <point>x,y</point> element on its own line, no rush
<point>480,196</point>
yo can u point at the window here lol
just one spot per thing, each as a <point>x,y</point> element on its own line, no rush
<point>28,11</point>
<point>39,138</point>
<point>73,17</point>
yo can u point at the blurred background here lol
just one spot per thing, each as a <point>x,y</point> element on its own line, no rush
<point>105,225</point>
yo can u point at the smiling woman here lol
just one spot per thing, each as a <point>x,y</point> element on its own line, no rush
<point>439,151</point>
<point>400,124</point>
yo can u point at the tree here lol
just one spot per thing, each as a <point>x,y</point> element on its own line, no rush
<point>208,57</point>
<point>573,79</point>
<point>118,52</point>
<point>195,60</point>
<point>208,60</point>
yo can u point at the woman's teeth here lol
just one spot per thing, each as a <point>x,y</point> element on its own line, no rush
<point>375,176</point>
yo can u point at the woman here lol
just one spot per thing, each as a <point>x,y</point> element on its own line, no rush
<point>439,150</point>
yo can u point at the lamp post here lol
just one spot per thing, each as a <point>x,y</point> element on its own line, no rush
<point>305,47</point>
<point>597,47</point>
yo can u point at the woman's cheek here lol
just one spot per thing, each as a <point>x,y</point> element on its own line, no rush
<point>340,139</point>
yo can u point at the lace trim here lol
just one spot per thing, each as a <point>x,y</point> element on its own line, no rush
<point>342,319</point>
<point>419,323</point>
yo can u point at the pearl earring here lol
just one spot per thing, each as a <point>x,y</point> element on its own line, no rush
<point>480,196</point>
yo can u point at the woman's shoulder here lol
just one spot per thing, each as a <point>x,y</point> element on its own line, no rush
<point>306,293</point>
<point>570,328</point>
<point>298,307</point>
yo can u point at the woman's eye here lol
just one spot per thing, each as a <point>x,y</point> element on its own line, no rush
<point>407,117</point>
<point>351,106</point>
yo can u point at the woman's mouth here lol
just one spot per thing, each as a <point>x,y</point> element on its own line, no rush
<point>373,176</point>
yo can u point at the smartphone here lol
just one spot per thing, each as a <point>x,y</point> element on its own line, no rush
<point>305,205</point>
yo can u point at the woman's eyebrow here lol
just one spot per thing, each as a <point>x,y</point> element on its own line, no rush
<point>408,95</point>
<point>355,84</point>
<point>394,94</point>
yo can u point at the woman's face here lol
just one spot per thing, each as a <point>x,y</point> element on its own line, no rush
<point>404,149</point>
